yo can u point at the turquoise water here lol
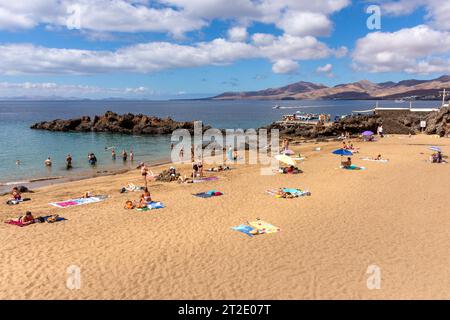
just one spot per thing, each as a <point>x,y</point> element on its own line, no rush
<point>32,147</point>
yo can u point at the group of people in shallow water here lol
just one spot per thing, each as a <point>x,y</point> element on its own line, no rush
<point>92,159</point>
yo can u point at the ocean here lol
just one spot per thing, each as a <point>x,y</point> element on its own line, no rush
<point>32,147</point>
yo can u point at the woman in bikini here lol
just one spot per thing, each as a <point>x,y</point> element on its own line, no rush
<point>26,219</point>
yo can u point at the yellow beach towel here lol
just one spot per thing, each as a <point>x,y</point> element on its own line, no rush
<point>264,227</point>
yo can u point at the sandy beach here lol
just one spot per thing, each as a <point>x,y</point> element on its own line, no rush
<point>393,215</point>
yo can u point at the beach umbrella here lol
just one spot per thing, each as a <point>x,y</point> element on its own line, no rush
<point>342,152</point>
<point>285,159</point>
<point>434,148</point>
<point>367,133</point>
<point>289,152</point>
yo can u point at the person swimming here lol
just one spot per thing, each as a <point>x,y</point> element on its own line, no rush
<point>92,159</point>
<point>113,154</point>
<point>48,162</point>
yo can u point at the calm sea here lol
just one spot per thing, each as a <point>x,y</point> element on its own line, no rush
<point>32,147</point>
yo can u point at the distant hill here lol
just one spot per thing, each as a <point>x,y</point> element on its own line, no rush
<point>363,89</point>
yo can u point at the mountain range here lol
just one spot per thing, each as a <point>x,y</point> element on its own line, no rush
<point>364,89</point>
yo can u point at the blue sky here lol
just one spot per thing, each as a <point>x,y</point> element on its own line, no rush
<point>183,49</point>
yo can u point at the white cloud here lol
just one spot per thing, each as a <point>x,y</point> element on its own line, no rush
<point>305,23</point>
<point>438,11</point>
<point>414,50</point>
<point>155,56</point>
<point>326,69</point>
<point>285,66</point>
<point>10,89</point>
<point>237,34</point>
<point>301,17</point>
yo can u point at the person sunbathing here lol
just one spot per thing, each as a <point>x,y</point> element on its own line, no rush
<point>348,163</point>
<point>284,194</point>
<point>87,194</point>
<point>16,194</point>
<point>184,179</point>
<point>291,170</point>
<point>26,219</point>
<point>379,157</point>
<point>142,202</point>
<point>129,205</point>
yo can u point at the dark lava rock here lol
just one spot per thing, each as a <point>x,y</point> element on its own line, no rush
<point>114,123</point>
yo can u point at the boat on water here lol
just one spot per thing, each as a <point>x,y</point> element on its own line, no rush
<point>399,101</point>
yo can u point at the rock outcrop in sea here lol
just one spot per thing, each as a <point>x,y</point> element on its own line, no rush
<point>115,123</point>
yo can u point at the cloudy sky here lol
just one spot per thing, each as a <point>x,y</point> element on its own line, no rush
<point>159,49</point>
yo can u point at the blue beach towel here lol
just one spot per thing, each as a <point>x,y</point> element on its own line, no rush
<point>209,194</point>
<point>244,229</point>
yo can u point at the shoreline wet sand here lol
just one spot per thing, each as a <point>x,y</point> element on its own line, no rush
<point>393,215</point>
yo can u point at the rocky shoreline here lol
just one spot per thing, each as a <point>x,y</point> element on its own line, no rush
<point>395,123</point>
<point>114,123</point>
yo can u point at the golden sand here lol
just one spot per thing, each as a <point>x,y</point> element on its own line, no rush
<point>395,216</point>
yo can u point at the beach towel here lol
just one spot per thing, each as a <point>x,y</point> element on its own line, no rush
<point>209,194</point>
<point>374,160</point>
<point>263,227</point>
<point>295,192</point>
<point>205,179</point>
<point>78,202</point>
<point>244,229</point>
<point>353,167</point>
<point>14,201</point>
<point>152,205</point>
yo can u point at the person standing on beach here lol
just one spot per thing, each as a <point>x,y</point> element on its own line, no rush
<point>69,162</point>
<point>380,131</point>
<point>144,173</point>
<point>124,155</point>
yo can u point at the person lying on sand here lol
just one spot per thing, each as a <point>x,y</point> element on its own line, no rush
<point>291,170</point>
<point>25,220</point>
<point>129,205</point>
<point>219,168</point>
<point>184,179</point>
<point>283,194</point>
